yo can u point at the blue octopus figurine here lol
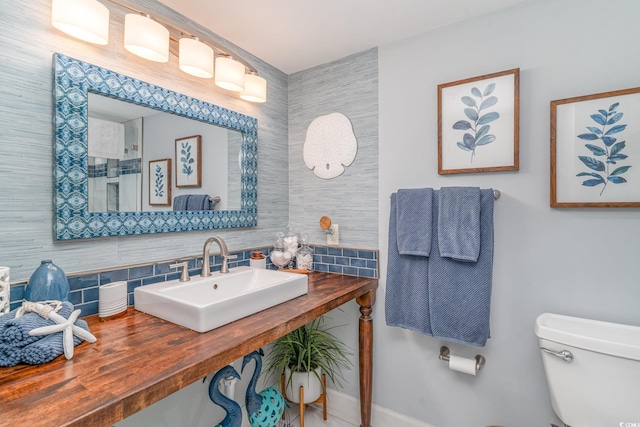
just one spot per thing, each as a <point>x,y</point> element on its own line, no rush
<point>233,410</point>
<point>265,408</point>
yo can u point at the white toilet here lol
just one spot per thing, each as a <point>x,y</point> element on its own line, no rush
<point>593,370</point>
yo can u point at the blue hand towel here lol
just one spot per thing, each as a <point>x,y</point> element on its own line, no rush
<point>180,202</point>
<point>413,216</point>
<point>198,202</point>
<point>459,223</point>
<point>460,292</point>
<point>49,347</point>
<point>407,292</point>
<point>9,355</point>
<point>15,332</point>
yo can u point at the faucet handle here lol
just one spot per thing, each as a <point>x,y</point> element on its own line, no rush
<point>184,276</point>
<point>230,257</point>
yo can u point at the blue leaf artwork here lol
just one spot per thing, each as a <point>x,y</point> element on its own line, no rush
<point>186,159</point>
<point>477,124</point>
<point>604,171</point>
<point>159,182</point>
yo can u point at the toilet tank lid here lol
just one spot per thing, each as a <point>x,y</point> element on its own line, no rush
<point>603,337</point>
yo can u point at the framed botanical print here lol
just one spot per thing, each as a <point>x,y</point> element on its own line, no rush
<point>160,182</point>
<point>595,157</point>
<point>189,162</point>
<point>478,124</point>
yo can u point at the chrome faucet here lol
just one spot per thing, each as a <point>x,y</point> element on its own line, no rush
<point>224,252</point>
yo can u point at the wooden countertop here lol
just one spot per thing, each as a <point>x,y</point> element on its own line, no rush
<point>140,359</point>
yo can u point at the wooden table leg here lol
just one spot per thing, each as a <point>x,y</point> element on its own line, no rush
<point>365,302</point>
<point>301,406</point>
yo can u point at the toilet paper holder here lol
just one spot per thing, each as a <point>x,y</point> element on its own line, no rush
<point>445,353</point>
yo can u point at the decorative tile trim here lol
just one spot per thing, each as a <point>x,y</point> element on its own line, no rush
<point>350,261</point>
<point>73,80</point>
<point>84,285</point>
<point>125,167</point>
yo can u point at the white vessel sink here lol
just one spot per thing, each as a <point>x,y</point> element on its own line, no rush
<point>205,303</point>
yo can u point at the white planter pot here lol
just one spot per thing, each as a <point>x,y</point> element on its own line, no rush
<point>311,384</point>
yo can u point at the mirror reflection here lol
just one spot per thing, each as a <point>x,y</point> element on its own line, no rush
<point>123,138</point>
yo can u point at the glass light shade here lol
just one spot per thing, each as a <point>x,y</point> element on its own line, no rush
<point>86,20</point>
<point>196,58</point>
<point>146,38</point>
<point>255,88</point>
<point>229,74</point>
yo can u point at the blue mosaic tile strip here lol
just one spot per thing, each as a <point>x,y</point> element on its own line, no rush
<point>97,171</point>
<point>130,166</point>
<point>353,262</point>
<point>84,287</point>
<point>73,80</point>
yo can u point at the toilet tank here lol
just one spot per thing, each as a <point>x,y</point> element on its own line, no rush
<point>600,386</point>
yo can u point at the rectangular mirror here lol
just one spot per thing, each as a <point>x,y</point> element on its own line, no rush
<point>108,127</point>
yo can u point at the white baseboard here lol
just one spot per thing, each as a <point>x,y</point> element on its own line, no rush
<point>347,408</point>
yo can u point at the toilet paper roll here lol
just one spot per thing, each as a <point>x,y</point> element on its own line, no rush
<point>462,364</point>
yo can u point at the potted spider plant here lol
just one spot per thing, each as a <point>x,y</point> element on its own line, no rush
<point>303,355</point>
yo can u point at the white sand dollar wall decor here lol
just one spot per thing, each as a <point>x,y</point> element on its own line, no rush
<point>330,145</point>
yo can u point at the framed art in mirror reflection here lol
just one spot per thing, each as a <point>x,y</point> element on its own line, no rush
<point>188,162</point>
<point>160,182</point>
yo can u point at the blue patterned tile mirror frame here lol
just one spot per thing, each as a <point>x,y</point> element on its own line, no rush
<point>73,80</point>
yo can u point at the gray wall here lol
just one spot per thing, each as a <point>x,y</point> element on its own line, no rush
<point>581,262</point>
<point>348,86</point>
<point>26,195</point>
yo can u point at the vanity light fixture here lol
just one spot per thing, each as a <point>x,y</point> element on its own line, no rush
<point>229,73</point>
<point>195,58</point>
<point>87,20</point>
<point>146,38</point>
<point>255,88</point>
<point>151,38</point>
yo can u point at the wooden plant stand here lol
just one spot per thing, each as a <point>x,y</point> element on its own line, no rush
<point>322,399</point>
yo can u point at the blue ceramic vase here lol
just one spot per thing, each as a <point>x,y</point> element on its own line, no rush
<point>47,283</point>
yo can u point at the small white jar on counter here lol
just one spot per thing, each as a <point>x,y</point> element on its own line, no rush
<point>257,260</point>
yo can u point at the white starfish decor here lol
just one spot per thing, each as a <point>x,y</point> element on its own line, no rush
<point>68,328</point>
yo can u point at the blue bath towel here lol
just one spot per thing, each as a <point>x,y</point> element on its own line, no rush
<point>459,223</point>
<point>407,294</point>
<point>15,332</point>
<point>180,202</point>
<point>413,216</point>
<point>460,292</point>
<point>49,347</point>
<point>437,296</point>
<point>198,202</point>
<point>9,355</point>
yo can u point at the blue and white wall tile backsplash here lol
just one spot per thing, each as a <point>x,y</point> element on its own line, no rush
<point>84,286</point>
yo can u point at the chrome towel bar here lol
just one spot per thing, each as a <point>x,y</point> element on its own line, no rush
<point>496,194</point>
